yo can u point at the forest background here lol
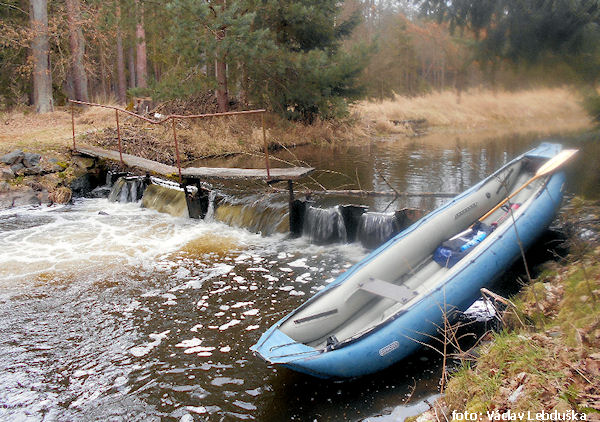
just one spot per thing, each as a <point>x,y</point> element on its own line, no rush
<point>301,59</point>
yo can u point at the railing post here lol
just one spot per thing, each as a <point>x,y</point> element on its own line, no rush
<point>73,123</point>
<point>176,149</point>
<point>119,137</point>
<point>262,119</point>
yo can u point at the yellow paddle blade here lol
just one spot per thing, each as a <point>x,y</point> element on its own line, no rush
<point>556,161</point>
<point>548,167</point>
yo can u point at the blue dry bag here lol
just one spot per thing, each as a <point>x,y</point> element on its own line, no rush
<point>455,249</point>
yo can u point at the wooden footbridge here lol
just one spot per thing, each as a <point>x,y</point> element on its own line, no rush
<point>198,201</point>
<point>195,173</point>
<point>189,173</point>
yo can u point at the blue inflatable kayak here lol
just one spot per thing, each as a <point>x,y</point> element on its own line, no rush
<point>379,311</point>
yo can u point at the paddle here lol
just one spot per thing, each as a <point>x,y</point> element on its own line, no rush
<point>548,167</point>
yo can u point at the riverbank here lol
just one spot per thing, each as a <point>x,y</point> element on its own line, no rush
<point>436,117</point>
<point>442,114</point>
<point>546,360</point>
<point>477,112</point>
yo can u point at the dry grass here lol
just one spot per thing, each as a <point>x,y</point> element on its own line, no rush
<point>221,136</point>
<point>52,132</point>
<point>480,109</point>
<point>478,114</point>
<point>24,129</point>
<point>555,363</point>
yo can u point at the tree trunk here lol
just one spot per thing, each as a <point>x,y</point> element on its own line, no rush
<point>77,44</point>
<point>121,80</point>
<point>104,77</point>
<point>222,95</point>
<point>221,74</point>
<point>140,33</point>
<point>244,85</point>
<point>40,49</point>
<point>210,66</point>
<point>131,66</point>
<point>156,68</point>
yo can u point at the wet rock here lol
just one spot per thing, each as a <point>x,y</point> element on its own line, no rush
<point>57,163</point>
<point>100,192</point>
<point>84,163</point>
<point>51,167</point>
<point>27,197</point>
<point>82,185</point>
<point>31,160</point>
<point>6,174</point>
<point>36,186</point>
<point>44,197</point>
<point>5,200</point>
<point>12,157</point>
<point>31,171</point>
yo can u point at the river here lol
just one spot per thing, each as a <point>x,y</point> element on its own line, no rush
<point>111,311</point>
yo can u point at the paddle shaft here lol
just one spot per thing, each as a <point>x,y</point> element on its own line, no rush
<point>509,197</point>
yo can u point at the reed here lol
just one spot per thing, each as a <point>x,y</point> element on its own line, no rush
<point>477,109</point>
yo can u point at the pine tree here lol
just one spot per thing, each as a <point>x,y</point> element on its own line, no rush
<point>40,51</point>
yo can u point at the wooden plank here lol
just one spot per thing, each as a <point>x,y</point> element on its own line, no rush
<point>291,173</point>
<point>155,167</point>
<point>399,293</point>
<point>130,160</point>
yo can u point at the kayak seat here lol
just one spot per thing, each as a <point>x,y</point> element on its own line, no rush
<point>315,316</point>
<point>399,293</point>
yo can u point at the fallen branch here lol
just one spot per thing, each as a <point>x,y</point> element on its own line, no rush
<point>485,293</point>
<point>356,192</point>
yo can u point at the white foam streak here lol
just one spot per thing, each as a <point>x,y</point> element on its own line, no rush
<point>79,237</point>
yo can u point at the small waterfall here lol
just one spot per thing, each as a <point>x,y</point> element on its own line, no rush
<point>210,213</point>
<point>165,199</point>
<point>108,181</point>
<point>115,192</point>
<point>265,214</point>
<point>125,194</point>
<point>376,228</point>
<point>127,189</point>
<point>104,190</point>
<point>259,214</point>
<point>324,225</point>
<point>133,190</point>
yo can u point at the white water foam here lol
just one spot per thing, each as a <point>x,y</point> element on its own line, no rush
<point>95,233</point>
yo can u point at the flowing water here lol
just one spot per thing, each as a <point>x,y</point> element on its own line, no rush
<point>114,311</point>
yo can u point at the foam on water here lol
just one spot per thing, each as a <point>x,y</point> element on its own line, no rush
<point>158,304</point>
<point>79,238</point>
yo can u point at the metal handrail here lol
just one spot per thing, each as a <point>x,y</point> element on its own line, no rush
<point>173,118</point>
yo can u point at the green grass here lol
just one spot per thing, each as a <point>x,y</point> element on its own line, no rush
<point>550,355</point>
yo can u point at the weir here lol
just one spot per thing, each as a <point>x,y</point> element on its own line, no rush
<point>192,197</point>
<point>194,193</point>
<point>191,178</point>
<point>266,214</point>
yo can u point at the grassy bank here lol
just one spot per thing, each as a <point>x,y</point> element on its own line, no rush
<point>224,136</point>
<point>547,357</point>
<point>52,132</point>
<point>541,110</point>
<point>475,114</point>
